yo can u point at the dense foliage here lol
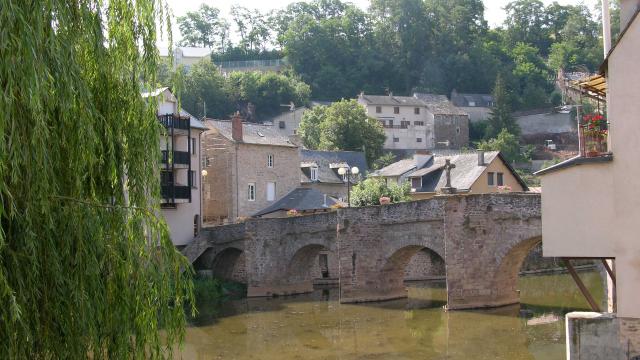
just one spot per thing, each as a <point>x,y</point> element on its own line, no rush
<point>407,45</point>
<point>344,125</point>
<point>87,269</point>
<point>369,191</point>
<point>257,95</point>
<point>508,145</point>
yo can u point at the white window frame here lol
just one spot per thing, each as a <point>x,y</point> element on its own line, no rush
<point>274,191</point>
<point>270,161</point>
<point>251,192</point>
<point>314,173</point>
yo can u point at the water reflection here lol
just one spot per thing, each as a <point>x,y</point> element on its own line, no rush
<point>316,326</point>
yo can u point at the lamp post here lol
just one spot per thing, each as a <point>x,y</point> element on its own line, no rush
<point>348,172</point>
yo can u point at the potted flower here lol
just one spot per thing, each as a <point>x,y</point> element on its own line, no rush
<point>292,212</point>
<point>594,129</point>
<point>385,200</point>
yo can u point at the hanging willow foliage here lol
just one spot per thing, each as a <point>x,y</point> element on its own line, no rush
<point>87,269</point>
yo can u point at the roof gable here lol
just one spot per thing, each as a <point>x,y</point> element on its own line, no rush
<point>256,134</point>
<point>328,163</point>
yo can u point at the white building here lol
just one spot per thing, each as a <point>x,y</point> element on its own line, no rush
<point>418,122</point>
<point>180,168</point>
<point>186,55</point>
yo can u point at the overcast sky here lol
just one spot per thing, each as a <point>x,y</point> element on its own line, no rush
<point>493,8</point>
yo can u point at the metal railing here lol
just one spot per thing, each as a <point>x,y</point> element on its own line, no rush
<point>169,191</point>
<point>395,126</point>
<point>593,142</point>
<point>172,121</point>
<point>250,63</point>
<point>179,157</point>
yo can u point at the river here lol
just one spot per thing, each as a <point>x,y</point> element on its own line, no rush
<point>316,326</point>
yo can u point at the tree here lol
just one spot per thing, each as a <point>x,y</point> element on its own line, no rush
<point>205,92</point>
<point>204,28</point>
<point>384,160</point>
<point>507,143</point>
<point>87,269</point>
<point>501,117</point>
<point>344,125</point>
<point>369,191</point>
<point>579,46</point>
<point>527,22</point>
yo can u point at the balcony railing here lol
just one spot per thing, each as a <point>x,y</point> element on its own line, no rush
<point>395,126</point>
<point>168,191</point>
<point>179,157</point>
<point>172,121</point>
<point>593,138</point>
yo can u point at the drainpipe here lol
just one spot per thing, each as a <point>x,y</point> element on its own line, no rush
<point>606,27</point>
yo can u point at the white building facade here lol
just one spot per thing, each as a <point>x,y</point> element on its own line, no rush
<point>180,168</point>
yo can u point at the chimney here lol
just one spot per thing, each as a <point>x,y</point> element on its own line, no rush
<point>236,127</point>
<point>481,158</point>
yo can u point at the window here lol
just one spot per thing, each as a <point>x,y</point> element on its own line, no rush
<point>251,192</point>
<point>207,161</point>
<point>500,179</point>
<point>405,124</point>
<point>378,109</point>
<point>418,123</point>
<point>472,103</point>
<point>295,132</point>
<point>271,191</point>
<point>345,177</point>
<point>270,160</point>
<point>416,111</point>
<point>192,178</point>
<point>281,125</point>
<point>314,173</point>
<point>196,225</point>
<point>391,123</point>
<point>458,130</point>
<point>396,110</point>
<point>490,179</point>
<point>193,146</point>
<point>395,139</point>
<point>416,183</point>
<point>418,139</point>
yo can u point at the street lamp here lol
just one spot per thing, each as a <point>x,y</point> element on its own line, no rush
<point>348,172</point>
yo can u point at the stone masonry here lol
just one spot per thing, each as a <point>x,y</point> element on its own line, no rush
<point>483,240</point>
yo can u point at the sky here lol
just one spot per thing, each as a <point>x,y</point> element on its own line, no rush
<point>494,12</point>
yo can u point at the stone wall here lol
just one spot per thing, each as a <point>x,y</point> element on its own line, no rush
<point>452,128</point>
<point>597,336</point>
<point>425,265</point>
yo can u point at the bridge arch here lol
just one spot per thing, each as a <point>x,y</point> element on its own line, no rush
<point>303,266</point>
<point>227,264</point>
<point>509,264</point>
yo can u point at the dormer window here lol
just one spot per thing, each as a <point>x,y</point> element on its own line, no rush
<point>314,173</point>
<point>270,160</point>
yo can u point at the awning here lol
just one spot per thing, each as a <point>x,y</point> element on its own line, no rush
<point>595,85</point>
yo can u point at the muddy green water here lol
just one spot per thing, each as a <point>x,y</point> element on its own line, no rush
<point>316,326</point>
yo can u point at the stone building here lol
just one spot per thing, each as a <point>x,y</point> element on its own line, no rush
<point>419,122</point>
<point>249,167</point>
<point>319,170</point>
<point>180,167</point>
<point>478,106</point>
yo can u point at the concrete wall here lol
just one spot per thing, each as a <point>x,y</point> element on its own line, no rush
<point>595,336</point>
<point>291,120</point>
<point>476,113</point>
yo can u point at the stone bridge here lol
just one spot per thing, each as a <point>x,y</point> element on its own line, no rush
<point>483,240</point>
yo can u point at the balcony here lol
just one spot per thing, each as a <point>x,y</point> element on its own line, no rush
<point>404,126</point>
<point>179,157</point>
<point>593,132</point>
<point>171,121</point>
<point>170,192</point>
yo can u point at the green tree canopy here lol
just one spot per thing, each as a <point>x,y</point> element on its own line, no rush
<point>507,143</point>
<point>369,191</point>
<point>87,269</point>
<point>501,116</point>
<point>344,125</point>
<point>205,28</point>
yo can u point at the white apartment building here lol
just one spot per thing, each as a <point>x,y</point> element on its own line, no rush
<point>180,168</point>
<point>418,122</point>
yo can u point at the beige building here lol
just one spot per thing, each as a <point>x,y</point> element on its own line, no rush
<point>591,203</point>
<point>249,167</point>
<point>180,168</point>
<point>472,173</point>
<point>186,55</point>
<point>419,122</point>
